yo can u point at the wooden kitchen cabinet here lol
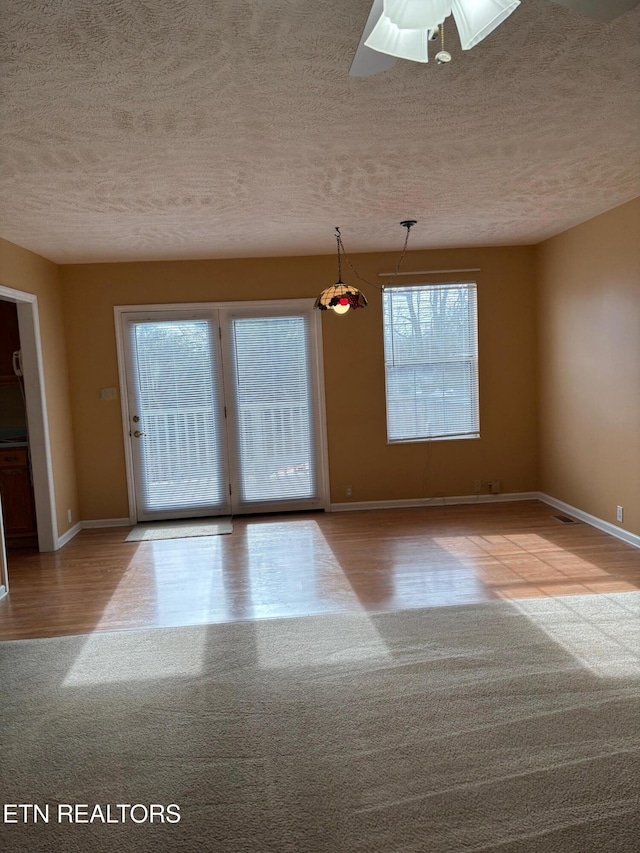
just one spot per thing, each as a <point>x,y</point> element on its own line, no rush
<point>16,491</point>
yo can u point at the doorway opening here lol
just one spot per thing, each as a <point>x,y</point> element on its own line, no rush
<point>31,483</point>
<point>16,479</point>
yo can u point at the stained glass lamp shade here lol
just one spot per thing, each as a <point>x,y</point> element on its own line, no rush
<point>341,297</point>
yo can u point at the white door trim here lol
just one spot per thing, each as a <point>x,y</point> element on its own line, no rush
<point>120,318</point>
<point>121,313</point>
<point>36,406</point>
<point>4,575</point>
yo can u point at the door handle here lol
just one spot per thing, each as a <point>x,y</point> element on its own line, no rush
<point>137,433</point>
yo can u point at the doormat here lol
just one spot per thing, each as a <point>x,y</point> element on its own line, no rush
<point>180,529</point>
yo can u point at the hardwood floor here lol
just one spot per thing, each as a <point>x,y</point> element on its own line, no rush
<point>274,566</point>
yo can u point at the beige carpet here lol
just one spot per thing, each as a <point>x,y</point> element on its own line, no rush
<point>450,730</point>
<point>180,529</point>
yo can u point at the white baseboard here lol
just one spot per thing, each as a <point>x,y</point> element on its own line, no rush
<point>81,525</point>
<point>68,536</point>
<point>106,522</point>
<point>594,521</point>
<point>460,499</point>
<point>3,590</point>
<point>600,524</point>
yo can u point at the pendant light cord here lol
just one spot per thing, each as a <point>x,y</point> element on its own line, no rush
<point>408,225</point>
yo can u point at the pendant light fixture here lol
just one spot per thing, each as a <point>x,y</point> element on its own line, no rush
<point>341,297</point>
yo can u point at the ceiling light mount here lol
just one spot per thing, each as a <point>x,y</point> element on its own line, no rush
<point>442,56</point>
<point>404,28</point>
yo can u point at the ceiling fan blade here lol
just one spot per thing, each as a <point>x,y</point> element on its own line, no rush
<point>368,62</point>
<point>601,11</point>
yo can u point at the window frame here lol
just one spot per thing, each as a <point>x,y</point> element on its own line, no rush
<point>475,434</point>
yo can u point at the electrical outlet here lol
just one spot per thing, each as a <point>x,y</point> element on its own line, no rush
<point>477,487</point>
<point>495,487</point>
<point>620,513</point>
<point>69,516</point>
<point>348,492</point>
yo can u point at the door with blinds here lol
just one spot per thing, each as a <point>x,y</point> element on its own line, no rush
<point>273,395</point>
<point>224,410</point>
<point>176,415</point>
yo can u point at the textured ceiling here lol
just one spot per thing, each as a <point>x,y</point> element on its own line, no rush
<point>143,129</point>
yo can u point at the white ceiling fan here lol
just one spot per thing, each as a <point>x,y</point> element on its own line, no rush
<point>403,28</point>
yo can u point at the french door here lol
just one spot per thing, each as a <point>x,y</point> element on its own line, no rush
<point>176,415</point>
<point>223,409</point>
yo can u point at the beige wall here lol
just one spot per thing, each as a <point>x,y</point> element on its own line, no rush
<point>580,339</point>
<point>22,270</point>
<point>354,374</point>
<point>589,310</point>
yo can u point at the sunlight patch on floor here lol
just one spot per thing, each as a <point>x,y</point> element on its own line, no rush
<point>602,632</point>
<point>579,605</point>
<point>304,557</point>
<point>179,586</point>
<point>141,656</point>
<point>185,576</point>
<point>512,567</point>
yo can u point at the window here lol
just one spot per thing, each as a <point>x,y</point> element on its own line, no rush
<point>431,361</point>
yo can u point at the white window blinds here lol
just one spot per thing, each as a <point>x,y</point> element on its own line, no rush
<point>431,361</point>
<point>275,408</point>
<point>182,452</point>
